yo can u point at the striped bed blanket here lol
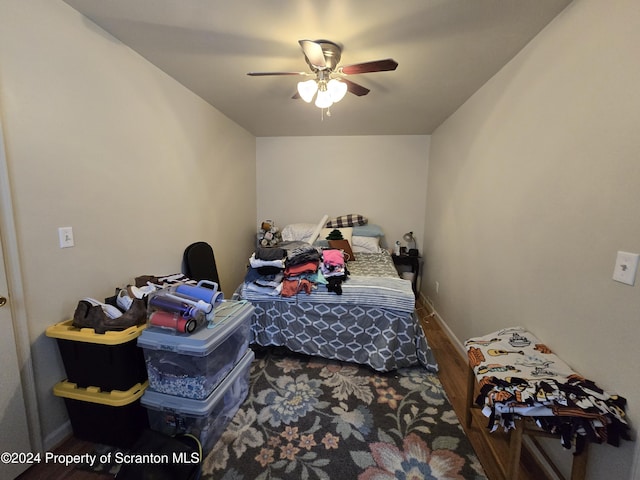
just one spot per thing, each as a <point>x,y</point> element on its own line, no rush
<point>373,282</point>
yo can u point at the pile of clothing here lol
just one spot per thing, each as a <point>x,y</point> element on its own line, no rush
<point>334,269</point>
<point>294,267</point>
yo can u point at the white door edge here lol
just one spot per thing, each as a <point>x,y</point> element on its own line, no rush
<point>17,303</point>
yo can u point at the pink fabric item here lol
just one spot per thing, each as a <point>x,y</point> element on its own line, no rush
<point>333,257</point>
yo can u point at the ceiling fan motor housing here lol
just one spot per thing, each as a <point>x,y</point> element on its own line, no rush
<point>332,54</point>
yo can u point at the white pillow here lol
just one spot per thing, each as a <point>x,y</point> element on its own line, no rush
<point>346,232</point>
<point>365,244</point>
<point>298,232</point>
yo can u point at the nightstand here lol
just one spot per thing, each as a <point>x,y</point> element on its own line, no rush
<point>414,262</point>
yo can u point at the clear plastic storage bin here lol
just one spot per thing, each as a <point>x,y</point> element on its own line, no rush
<point>192,365</point>
<point>204,419</point>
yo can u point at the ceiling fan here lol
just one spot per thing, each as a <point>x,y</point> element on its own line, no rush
<point>330,84</point>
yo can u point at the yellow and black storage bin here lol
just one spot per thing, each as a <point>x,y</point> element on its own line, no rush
<point>113,417</point>
<point>108,361</point>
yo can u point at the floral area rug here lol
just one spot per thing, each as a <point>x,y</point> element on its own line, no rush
<point>310,418</point>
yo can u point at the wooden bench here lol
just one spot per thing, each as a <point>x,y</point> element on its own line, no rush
<point>528,390</point>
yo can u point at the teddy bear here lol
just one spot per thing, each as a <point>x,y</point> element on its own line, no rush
<point>269,234</point>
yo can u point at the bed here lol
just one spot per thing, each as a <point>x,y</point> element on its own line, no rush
<point>372,320</point>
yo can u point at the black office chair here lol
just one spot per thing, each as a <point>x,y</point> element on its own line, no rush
<point>199,263</point>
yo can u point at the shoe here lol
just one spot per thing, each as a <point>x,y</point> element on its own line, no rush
<point>123,299</point>
<point>136,315</point>
<point>125,296</point>
<point>89,315</point>
<point>109,310</point>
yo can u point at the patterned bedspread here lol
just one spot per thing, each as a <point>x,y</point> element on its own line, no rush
<point>372,265</point>
<point>373,322</point>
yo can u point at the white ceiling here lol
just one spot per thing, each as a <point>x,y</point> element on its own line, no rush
<point>446,50</point>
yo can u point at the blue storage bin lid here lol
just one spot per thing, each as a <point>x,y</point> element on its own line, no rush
<point>198,408</point>
<point>230,315</point>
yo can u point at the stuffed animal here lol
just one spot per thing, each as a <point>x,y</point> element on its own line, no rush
<point>269,235</point>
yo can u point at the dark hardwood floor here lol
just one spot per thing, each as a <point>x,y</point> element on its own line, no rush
<point>52,471</point>
<point>491,448</point>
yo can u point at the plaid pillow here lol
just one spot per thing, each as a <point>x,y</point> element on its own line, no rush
<point>346,221</point>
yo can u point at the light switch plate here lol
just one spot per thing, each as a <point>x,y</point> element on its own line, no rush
<point>65,236</point>
<point>625,268</point>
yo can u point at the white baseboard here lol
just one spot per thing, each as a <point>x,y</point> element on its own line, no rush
<point>532,447</point>
<point>59,435</point>
<point>455,340</point>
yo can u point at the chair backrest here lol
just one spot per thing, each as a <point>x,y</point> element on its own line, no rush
<point>199,263</point>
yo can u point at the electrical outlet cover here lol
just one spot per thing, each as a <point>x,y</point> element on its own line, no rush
<point>625,268</point>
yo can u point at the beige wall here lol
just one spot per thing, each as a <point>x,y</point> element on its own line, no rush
<point>533,188</point>
<point>100,140</point>
<point>381,177</point>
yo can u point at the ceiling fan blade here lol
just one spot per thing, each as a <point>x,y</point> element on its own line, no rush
<point>313,52</point>
<point>355,88</point>
<point>263,74</point>
<point>368,67</point>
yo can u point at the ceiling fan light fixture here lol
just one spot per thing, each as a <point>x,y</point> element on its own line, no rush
<point>329,86</point>
<point>307,90</point>
<point>323,99</point>
<point>337,90</point>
